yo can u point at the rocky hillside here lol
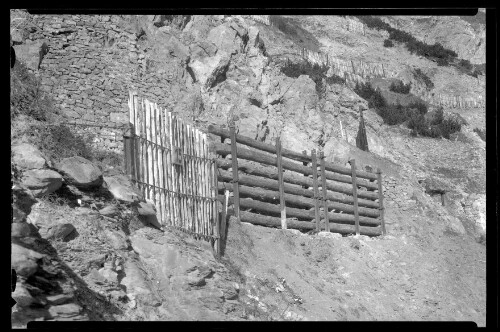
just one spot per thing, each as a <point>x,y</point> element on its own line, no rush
<point>87,246</point>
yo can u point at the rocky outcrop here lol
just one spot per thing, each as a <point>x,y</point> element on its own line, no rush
<point>211,70</point>
<point>121,188</point>
<point>80,172</point>
<point>27,156</point>
<point>42,181</point>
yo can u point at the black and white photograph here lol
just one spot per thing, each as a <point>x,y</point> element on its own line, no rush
<point>248,165</point>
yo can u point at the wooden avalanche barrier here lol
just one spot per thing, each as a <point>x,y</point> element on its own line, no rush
<point>278,187</point>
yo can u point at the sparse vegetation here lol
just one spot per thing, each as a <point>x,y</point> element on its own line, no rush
<point>316,72</point>
<point>423,77</point>
<point>413,114</point>
<point>436,52</point>
<point>400,87</point>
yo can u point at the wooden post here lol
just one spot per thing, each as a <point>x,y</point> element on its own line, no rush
<point>215,202</point>
<point>355,194</point>
<point>381,200</point>
<point>323,186</point>
<point>234,158</point>
<point>224,215</point>
<point>280,183</point>
<point>315,188</point>
<point>128,146</point>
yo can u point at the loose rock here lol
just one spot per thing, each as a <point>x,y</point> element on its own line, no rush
<point>80,172</point>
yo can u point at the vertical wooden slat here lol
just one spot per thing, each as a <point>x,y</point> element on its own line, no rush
<point>204,187</point>
<point>168,168</point>
<point>280,184</point>
<point>151,155</point>
<point>137,142</point>
<point>355,194</point>
<point>208,185</point>
<point>158,163</point>
<point>234,157</point>
<point>381,200</point>
<point>191,176</point>
<point>175,177</point>
<point>217,230</point>
<point>181,172</point>
<point>315,188</point>
<point>323,187</point>
<point>154,158</point>
<point>164,193</point>
<point>147,136</point>
<point>143,148</point>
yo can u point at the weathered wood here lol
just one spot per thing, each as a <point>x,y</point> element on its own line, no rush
<point>315,188</point>
<point>291,178</point>
<point>304,152</point>
<point>274,209</point>
<point>223,133</point>
<point>268,221</point>
<point>234,157</point>
<point>217,231</point>
<point>323,187</point>
<point>381,200</point>
<point>243,153</point>
<point>355,195</point>
<point>293,195</point>
<point>280,184</point>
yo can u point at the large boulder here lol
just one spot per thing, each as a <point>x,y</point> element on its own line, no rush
<point>24,260</point>
<point>208,71</point>
<point>27,156</point>
<point>122,189</point>
<point>42,181</point>
<point>80,172</point>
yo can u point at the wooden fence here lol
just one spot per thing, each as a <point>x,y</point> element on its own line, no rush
<point>284,188</point>
<point>171,164</point>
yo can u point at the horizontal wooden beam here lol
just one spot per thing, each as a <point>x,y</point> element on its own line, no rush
<point>268,221</point>
<point>224,133</point>
<point>294,200</point>
<point>273,209</point>
<point>247,154</point>
<point>337,193</point>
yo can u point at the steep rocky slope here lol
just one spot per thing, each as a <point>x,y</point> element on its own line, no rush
<point>208,69</point>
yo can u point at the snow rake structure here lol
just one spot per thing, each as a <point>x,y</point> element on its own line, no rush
<point>282,188</point>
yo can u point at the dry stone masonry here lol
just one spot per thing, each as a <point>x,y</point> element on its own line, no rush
<point>92,62</point>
